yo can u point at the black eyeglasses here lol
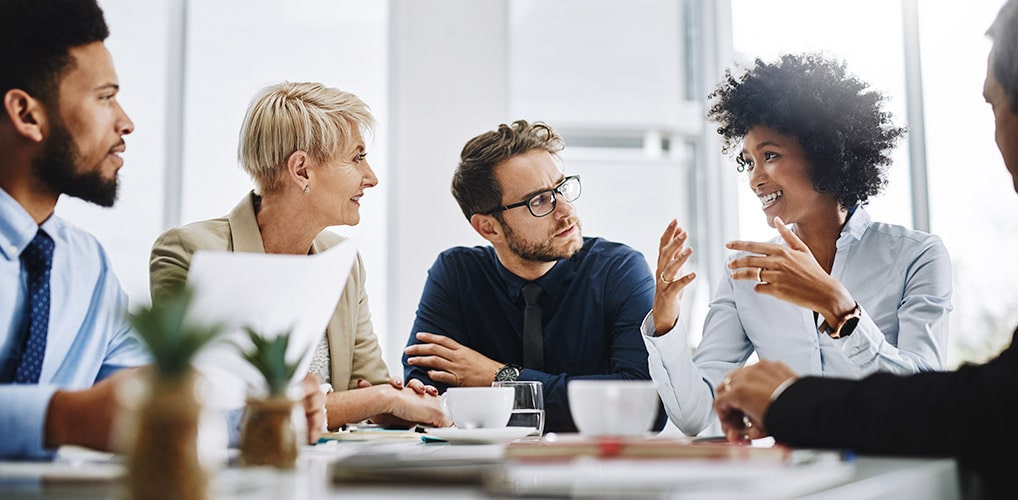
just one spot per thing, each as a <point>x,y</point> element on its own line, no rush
<point>543,203</point>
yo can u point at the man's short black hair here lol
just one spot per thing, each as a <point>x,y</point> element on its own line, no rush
<point>35,36</point>
<point>1004,33</point>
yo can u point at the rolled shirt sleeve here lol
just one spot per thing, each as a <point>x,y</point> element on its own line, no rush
<point>23,420</point>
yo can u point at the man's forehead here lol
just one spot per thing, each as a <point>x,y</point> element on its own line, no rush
<point>987,81</point>
<point>91,66</point>
<point>992,90</point>
<point>526,173</point>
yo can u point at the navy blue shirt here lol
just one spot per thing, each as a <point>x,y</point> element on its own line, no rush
<point>592,308</point>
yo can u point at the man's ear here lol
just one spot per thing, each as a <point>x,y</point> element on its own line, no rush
<point>297,169</point>
<point>25,113</point>
<point>488,227</point>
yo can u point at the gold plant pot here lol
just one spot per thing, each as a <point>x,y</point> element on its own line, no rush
<point>268,435</point>
<point>164,461</point>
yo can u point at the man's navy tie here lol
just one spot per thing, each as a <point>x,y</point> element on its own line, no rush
<point>37,260</point>
<point>533,338</point>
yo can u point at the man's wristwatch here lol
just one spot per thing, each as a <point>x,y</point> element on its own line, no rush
<point>508,373</point>
<point>845,327</point>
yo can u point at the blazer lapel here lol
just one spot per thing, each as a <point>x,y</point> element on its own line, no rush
<point>244,227</point>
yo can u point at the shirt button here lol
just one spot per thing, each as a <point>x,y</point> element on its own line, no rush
<point>12,249</point>
<point>668,386</point>
<point>671,347</point>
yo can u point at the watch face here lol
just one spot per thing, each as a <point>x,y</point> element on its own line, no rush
<point>848,327</point>
<point>507,374</point>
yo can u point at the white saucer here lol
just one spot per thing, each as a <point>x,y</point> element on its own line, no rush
<point>477,436</point>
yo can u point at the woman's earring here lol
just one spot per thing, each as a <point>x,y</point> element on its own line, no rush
<point>307,188</point>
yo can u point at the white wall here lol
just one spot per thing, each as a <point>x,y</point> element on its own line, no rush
<point>444,89</point>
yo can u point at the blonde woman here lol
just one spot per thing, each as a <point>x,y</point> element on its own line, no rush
<point>303,147</point>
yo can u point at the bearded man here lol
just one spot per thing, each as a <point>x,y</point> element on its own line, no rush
<point>587,296</point>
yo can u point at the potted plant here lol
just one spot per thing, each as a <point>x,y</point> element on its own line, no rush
<point>269,433</point>
<point>163,461</point>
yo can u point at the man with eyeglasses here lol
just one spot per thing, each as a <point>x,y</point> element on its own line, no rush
<point>588,295</point>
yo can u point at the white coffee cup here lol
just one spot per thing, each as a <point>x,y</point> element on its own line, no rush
<point>613,407</point>
<point>478,407</point>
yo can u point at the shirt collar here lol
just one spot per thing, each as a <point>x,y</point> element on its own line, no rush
<point>17,227</point>
<point>858,222</point>
<point>552,281</point>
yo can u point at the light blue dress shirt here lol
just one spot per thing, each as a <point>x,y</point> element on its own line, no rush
<point>901,279</point>
<point>89,335</point>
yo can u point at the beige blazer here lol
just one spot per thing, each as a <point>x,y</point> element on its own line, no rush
<point>353,346</point>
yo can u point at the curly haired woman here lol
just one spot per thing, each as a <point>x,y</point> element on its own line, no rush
<point>835,294</point>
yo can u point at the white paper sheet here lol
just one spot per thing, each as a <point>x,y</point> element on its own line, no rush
<point>270,293</point>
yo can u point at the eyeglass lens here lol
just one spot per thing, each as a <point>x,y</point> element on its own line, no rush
<point>544,203</point>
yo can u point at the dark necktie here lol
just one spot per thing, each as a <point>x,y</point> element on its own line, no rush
<point>533,339</point>
<point>37,260</point>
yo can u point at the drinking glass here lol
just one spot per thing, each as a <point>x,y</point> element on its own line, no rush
<point>528,405</point>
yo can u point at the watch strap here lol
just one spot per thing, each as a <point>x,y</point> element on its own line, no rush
<point>845,326</point>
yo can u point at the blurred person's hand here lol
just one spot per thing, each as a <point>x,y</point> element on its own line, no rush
<point>745,395</point>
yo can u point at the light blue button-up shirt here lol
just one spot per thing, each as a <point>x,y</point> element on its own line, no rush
<point>89,335</point>
<point>901,279</point>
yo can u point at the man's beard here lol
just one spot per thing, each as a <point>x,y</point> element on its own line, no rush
<point>537,252</point>
<point>55,167</point>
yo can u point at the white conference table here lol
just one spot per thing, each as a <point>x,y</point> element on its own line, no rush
<point>864,477</point>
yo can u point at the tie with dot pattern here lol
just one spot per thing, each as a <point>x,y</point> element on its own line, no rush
<point>37,260</point>
<point>533,338</point>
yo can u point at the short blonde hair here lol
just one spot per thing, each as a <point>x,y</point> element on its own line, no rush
<point>297,116</point>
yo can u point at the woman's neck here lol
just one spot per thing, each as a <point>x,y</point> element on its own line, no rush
<point>284,228</point>
<point>821,235</point>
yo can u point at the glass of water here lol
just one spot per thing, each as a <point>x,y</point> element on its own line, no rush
<point>528,405</point>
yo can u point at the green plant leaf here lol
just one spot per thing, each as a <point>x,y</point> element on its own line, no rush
<point>268,356</point>
<point>172,340</point>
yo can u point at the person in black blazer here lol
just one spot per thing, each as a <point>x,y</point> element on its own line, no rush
<point>931,413</point>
